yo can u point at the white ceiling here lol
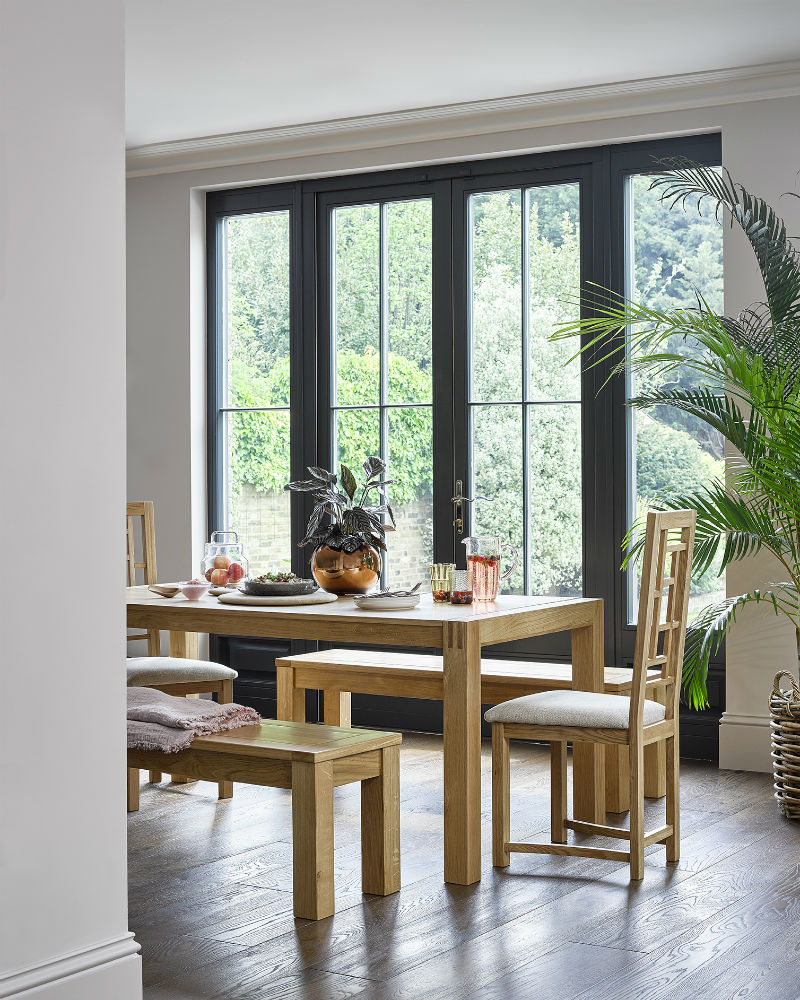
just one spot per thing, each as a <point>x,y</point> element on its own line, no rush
<point>207,67</point>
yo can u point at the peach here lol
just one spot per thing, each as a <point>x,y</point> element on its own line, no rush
<point>208,574</point>
<point>219,577</point>
<point>235,571</point>
<point>222,562</point>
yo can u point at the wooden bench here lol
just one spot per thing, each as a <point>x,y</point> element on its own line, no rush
<point>311,760</point>
<point>340,672</point>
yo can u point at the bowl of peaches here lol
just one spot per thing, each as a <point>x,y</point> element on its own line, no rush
<point>225,572</point>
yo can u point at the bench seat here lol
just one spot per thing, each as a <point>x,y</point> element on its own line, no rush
<point>310,760</point>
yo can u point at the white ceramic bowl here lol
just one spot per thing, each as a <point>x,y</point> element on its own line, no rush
<point>194,591</point>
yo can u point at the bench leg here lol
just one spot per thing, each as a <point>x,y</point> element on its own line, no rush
<point>312,835</point>
<point>380,827</point>
<point>154,777</point>
<point>291,700</point>
<point>336,710</point>
<point>133,789</point>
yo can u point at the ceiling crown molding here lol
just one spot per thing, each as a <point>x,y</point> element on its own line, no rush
<point>506,114</point>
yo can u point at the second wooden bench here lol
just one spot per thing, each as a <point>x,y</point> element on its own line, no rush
<point>340,672</point>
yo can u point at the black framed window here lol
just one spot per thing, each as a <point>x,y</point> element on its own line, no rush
<point>419,308</point>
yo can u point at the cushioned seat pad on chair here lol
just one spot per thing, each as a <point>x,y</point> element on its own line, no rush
<point>146,670</point>
<point>572,708</point>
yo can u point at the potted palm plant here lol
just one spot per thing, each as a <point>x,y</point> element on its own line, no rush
<point>746,377</point>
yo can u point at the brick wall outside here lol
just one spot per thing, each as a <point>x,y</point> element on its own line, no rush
<point>263,523</point>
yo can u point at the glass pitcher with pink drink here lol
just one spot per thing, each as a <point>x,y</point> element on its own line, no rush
<point>484,555</point>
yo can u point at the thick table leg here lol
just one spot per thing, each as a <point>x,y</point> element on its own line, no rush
<point>133,789</point>
<point>312,834</point>
<point>587,758</point>
<point>462,753</point>
<point>185,645</point>
<point>380,827</point>
<point>336,710</point>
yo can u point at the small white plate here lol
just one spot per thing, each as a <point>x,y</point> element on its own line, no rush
<point>387,603</point>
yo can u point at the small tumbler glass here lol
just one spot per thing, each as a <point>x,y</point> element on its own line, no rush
<point>441,581</point>
<point>461,592</point>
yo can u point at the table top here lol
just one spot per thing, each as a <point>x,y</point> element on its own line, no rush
<point>507,618</point>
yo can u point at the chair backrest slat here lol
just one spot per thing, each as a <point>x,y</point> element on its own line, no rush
<point>144,512</point>
<point>666,566</point>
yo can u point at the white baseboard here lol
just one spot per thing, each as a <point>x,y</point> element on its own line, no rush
<point>111,969</point>
<point>744,743</point>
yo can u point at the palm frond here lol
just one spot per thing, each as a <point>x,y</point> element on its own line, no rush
<point>778,260</point>
<point>707,630</point>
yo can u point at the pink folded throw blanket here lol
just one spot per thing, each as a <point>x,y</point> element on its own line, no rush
<point>181,719</point>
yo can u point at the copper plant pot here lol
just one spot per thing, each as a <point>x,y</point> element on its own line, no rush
<point>346,572</point>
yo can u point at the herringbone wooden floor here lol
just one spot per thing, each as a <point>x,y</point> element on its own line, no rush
<point>210,901</point>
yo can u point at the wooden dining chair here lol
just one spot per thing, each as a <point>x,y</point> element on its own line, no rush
<point>143,512</point>
<point>632,722</point>
<point>183,676</point>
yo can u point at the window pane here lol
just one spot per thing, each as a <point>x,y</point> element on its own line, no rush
<point>495,233</point>
<point>554,271</point>
<point>356,307</point>
<point>257,314</point>
<point>554,509</point>
<point>256,505</point>
<point>408,300</point>
<point>674,253</point>
<point>356,435</point>
<point>496,448</point>
<point>411,495</point>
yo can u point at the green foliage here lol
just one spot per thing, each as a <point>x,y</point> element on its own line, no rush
<point>748,364</point>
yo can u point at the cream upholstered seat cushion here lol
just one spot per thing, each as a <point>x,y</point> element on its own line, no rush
<point>572,708</point>
<point>146,670</point>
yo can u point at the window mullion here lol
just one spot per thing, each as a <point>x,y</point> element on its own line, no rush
<point>526,478</point>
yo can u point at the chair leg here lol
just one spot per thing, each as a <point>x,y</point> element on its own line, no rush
<point>133,789</point>
<point>636,758</point>
<point>501,798</point>
<point>225,697</point>
<point>558,791</point>
<point>179,779</point>
<point>673,798</point>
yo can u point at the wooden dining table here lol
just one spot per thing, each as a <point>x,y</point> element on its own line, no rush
<point>460,632</point>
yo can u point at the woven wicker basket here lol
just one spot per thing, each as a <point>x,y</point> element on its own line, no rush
<point>784,707</point>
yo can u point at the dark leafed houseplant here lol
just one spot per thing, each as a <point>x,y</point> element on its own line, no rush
<point>346,527</point>
<point>746,373</point>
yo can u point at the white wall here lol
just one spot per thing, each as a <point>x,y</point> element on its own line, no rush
<point>166,320</point>
<point>63,896</point>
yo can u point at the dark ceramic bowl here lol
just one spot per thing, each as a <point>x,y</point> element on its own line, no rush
<point>255,589</point>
